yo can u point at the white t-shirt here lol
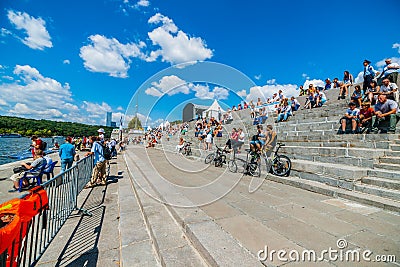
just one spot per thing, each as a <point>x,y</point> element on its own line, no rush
<point>241,137</point>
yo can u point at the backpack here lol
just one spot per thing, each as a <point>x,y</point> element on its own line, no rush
<point>107,154</point>
<point>43,146</point>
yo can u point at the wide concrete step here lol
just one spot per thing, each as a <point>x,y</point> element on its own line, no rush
<point>397,141</point>
<point>390,160</point>
<point>387,166</point>
<point>353,161</point>
<point>383,173</point>
<point>381,182</point>
<point>378,191</point>
<point>395,147</point>
<point>338,143</point>
<point>307,126</point>
<point>366,153</point>
<point>340,171</point>
<point>296,119</point>
<point>392,153</point>
<point>321,188</point>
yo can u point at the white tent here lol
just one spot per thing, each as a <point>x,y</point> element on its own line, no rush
<point>212,111</point>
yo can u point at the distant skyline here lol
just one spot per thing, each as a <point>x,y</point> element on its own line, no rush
<point>78,60</point>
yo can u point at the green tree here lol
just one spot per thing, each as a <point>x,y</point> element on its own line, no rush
<point>135,123</point>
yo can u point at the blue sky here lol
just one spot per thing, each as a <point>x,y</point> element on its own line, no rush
<point>76,60</point>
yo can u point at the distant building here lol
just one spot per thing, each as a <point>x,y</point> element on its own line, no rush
<point>108,119</point>
<point>113,124</point>
<point>191,111</point>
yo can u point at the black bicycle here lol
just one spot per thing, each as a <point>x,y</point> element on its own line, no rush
<point>279,165</point>
<point>219,157</point>
<point>251,166</point>
<point>187,149</point>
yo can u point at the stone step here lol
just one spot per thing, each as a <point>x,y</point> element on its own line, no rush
<point>397,141</point>
<point>395,147</point>
<point>387,166</point>
<point>323,179</point>
<point>390,160</point>
<point>354,161</point>
<point>296,119</point>
<point>367,153</point>
<point>378,191</point>
<point>343,137</point>
<point>386,174</point>
<point>321,188</point>
<point>340,171</point>
<point>338,143</point>
<point>392,153</point>
<point>381,182</point>
<point>307,126</point>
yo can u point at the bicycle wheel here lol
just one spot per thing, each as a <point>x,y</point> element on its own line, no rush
<point>218,162</point>
<point>209,158</point>
<point>281,166</point>
<point>254,169</point>
<point>232,166</point>
<point>188,151</point>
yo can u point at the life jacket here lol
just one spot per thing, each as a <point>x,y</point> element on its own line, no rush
<point>22,210</point>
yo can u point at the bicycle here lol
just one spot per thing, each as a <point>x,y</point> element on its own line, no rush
<point>219,157</point>
<point>251,165</point>
<point>279,165</point>
<point>187,149</point>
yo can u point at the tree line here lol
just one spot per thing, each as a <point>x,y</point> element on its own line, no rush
<point>46,128</point>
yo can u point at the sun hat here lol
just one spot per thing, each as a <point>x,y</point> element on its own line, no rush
<point>101,130</point>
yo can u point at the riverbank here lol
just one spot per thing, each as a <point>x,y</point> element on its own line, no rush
<point>6,172</point>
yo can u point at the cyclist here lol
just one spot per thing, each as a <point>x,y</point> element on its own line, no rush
<point>181,144</point>
<point>270,142</point>
<point>258,140</point>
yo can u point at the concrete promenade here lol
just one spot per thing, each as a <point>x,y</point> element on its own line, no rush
<point>161,209</point>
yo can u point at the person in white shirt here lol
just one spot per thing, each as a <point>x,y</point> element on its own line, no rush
<point>390,90</point>
<point>390,71</point>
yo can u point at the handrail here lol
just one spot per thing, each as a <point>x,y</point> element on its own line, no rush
<point>37,234</point>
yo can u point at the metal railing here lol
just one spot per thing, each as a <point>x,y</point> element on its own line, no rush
<point>37,234</point>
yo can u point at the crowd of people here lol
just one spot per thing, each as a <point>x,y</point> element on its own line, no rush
<point>101,148</point>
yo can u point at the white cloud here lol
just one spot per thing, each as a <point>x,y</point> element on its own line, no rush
<point>315,82</point>
<point>66,61</point>
<point>257,77</point>
<point>305,76</point>
<point>359,78</point>
<point>120,108</point>
<point>176,45</point>
<point>170,85</point>
<point>268,90</point>
<point>35,28</point>
<point>109,55</point>
<point>6,77</point>
<point>32,95</point>
<point>144,3</point>
<point>396,45</point>
<point>242,93</point>
<point>272,81</point>
<point>382,63</point>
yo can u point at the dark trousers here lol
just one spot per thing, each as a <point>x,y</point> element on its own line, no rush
<point>367,80</point>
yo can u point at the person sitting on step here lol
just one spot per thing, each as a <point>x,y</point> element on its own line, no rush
<point>350,117</point>
<point>386,110</point>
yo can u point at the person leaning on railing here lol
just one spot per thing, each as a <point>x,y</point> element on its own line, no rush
<point>99,170</point>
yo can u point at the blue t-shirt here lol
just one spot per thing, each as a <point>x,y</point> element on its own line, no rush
<point>97,149</point>
<point>66,151</point>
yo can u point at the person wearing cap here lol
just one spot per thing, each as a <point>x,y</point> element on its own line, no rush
<point>101,134</point>
<point>369,74</point>
<point>385,110</point>
<point>390,71</point>
<point>350,117</point>
<point>66,153</point>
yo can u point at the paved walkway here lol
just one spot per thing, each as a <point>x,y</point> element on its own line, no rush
<point>165,210</point>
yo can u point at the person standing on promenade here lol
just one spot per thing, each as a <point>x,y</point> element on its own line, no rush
<point>66,153</point>
<point>36,144</point>
<point>101,135</point>
<point>369,74</point>
<point>99,169</point>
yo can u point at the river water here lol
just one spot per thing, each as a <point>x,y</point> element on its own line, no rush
<point>18,146</point>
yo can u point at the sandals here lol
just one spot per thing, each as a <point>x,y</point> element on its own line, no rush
<point>13,190</point>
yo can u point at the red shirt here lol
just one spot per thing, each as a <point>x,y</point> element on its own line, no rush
<point>367,113</point>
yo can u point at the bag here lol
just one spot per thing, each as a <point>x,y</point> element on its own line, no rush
<point>43,146</point>
<point>19,169</point>
<point>106,152</point>
<point>254,137</point>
